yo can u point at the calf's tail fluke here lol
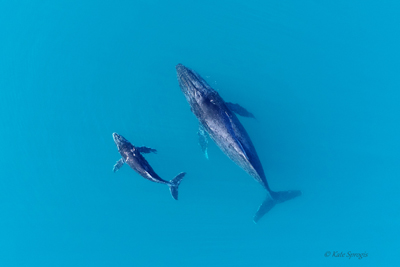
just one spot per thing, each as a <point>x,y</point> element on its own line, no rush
<point>174,184</point>
<point>272,199</point>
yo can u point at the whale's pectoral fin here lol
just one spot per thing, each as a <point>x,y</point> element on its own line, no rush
<point>118,165</point>
<point>203,140</point>
<point>143,149</point>
<point>238,109</point>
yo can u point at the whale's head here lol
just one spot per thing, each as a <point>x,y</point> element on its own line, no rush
<point>120,141</point>
<point>192,85</point>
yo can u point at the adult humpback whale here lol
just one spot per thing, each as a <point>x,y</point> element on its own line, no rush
<point>133,157</point>
<point>218,119</point>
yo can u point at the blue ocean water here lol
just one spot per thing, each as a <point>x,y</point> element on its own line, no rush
<point>321,78</point>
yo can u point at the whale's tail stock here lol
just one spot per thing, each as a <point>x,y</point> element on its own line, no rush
<point>272,199</point>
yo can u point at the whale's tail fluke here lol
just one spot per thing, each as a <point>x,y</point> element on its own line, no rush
<point>272,199</point>
<point>174,184</point>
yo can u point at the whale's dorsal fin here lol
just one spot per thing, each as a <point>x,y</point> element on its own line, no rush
<point>203,140</point>
<point>242,149</point>
<point>234,136</point>
<point>238,109</point>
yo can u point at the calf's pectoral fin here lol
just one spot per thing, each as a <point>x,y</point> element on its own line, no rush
<point>239,110</point>
<point>118,165</point>
<point>143,149</point>
<point>203,140</point>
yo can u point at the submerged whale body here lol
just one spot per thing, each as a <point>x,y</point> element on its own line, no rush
<point>132,156</point>
<point>217,118</point>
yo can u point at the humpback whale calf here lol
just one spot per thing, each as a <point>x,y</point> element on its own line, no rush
<point>217,118</point>
<point>132,156</point>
